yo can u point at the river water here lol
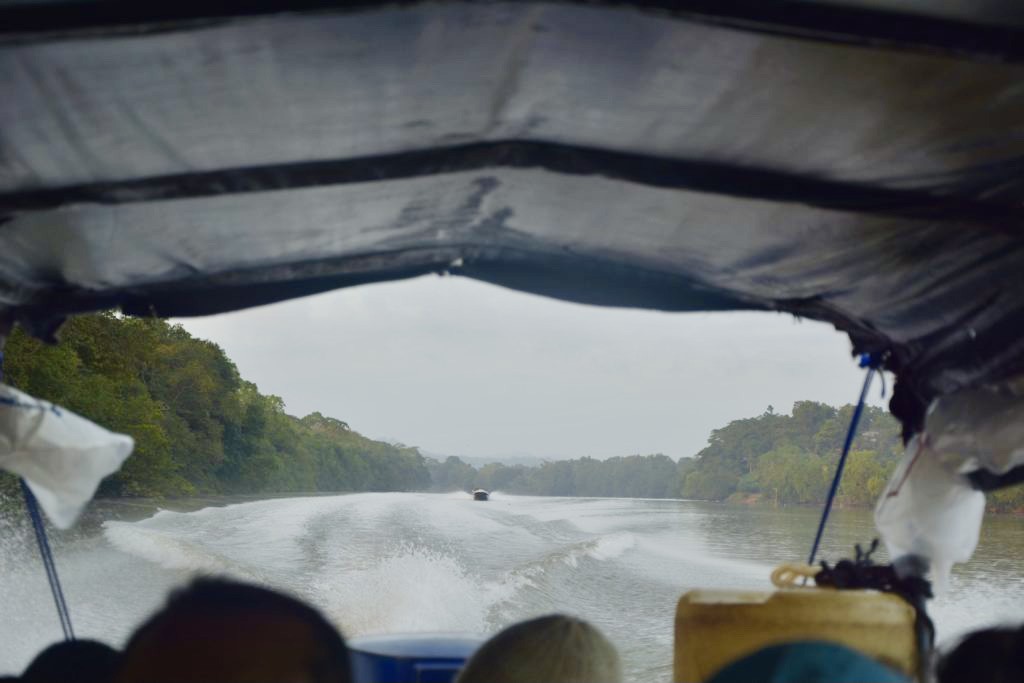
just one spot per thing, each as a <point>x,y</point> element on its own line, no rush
<point>391,562</point>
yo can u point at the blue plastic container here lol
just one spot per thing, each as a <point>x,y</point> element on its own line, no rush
<point>410,658</point>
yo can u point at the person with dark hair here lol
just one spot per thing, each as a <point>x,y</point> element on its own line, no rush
<point>83,661</point>
<point>229,632</point>
<point>993,655</point>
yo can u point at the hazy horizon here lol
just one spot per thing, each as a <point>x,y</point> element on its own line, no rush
<point>458,367</point>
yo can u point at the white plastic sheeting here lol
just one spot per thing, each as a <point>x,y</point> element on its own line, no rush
<point>61,455</point>
<point>929,511</point>
<point>929,507</point>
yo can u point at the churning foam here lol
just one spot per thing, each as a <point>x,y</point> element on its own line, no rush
<point>611,546</point>
<point>602,548</point>
<point>414,589</point>
<point>166,550</point>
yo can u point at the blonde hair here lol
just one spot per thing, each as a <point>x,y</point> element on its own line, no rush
<point>550,649</point>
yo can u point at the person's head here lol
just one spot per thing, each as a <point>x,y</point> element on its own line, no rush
<point>218,630</point>
<point>87,661</point>
<point>552,649</point>
<point>994,655</point>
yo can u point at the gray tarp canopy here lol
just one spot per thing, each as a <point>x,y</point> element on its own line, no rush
<point>854,164</point>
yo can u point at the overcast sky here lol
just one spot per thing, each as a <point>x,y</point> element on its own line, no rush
<point>457,367</point>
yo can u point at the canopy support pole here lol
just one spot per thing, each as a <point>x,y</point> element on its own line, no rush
<point>48,564</point>
<point>45,553</point>
<point>868,362</point>
<point>47,556</point>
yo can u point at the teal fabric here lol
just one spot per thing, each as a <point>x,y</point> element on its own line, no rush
<point>807,662</point>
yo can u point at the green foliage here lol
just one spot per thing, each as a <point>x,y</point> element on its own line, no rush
<point>496,476</point>
<point>198,427</point>
<point>451,475</point>
<point>791,475</point>
<point>864,477</point>
<point>704,483</point>
<point>791,458</point>
<point>1008,499</point>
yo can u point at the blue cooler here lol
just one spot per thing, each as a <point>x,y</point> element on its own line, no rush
<point>411,658</point>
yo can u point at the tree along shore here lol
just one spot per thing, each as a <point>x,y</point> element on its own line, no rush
<point>201,429</point>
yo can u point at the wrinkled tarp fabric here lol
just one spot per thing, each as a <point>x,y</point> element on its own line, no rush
<point>167,170</point>
<point>979,429</point>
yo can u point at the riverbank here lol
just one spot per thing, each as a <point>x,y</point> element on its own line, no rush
<point>128,509</point>
<point>759,500</point>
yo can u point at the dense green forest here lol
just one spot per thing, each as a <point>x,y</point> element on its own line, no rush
<point>200,428</point>
<point>792,458</point>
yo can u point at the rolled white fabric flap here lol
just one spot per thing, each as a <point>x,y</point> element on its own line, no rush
<point>62,456</point>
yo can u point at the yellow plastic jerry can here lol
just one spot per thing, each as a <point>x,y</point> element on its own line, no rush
<point>716,627</point>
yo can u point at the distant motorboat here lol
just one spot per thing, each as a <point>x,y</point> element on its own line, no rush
<point>480,494</point>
